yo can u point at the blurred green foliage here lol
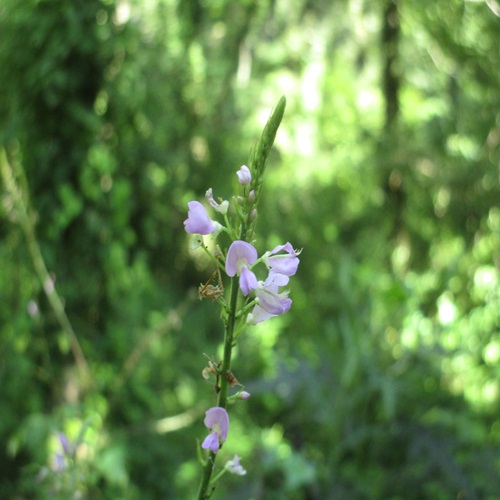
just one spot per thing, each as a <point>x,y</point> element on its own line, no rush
<point>384,379</point>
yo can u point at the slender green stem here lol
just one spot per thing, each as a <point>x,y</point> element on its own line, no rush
<point>212,258</point>
<point>11,171</point>
<point>205,491</point>
<point>228,342</point>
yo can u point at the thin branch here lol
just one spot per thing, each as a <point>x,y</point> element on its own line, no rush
<point>13,178</point>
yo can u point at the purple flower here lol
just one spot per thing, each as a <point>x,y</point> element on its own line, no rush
<point>244,175</point>
<point>284,263</point>
<point>198,221</point>
<point>271,302</point>
<point>59,462</point>
<point>239,256</point>
<point>65,443</point>
<point>217,420</point>
<point>235,467</point>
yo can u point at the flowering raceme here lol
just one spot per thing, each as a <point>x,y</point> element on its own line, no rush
<point>282,261</point>
<point>237,262</point>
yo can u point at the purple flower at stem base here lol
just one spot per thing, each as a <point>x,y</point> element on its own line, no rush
<point>217,420</point>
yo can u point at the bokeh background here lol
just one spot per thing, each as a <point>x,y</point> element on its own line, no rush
<point>383,382</point>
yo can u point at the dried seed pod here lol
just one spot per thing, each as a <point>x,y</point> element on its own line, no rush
<point>209,291</point>
<point>232,380</point>
<point>212,368</point>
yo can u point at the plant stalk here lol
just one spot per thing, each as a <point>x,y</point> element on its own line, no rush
<point>205,491</point>
<point>257,164</point>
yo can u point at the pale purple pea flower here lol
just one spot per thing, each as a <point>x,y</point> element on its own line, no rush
<point>239,256</point>
<point>59,462</point>
<point>271,302</point>
<point>198,221</point>
<point>217,420</point>
<point>65,443</point>
<point>284,263</point>
<point>244,175</point>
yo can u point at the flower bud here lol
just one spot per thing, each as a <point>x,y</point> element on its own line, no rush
<point>244,175</point>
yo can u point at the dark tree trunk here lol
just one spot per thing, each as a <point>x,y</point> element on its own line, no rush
<point>390,38</point>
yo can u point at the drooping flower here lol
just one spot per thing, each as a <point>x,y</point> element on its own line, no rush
<point>271,302</point>
<point>59,459</point>
<point>218,207</point>
<point>244,175</point>
<point>282,263</point>
<point>198,221</point>
<point>235,467</point>
<point>59,462</point>
<point>239,256</point>
<point>66,445</point>
<point>217,420</point>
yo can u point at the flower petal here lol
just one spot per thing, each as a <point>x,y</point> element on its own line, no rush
<point>276,279</point>
<point>274,303</point>
<point>211,442</point>
<point>198,221</point>
<point>258,315</point>
<point>287,247</point>
<point>282,263</point>
<point>248,281</point>
<point>217,416</point>
<point>240,254</point>
<point>244,175</point>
